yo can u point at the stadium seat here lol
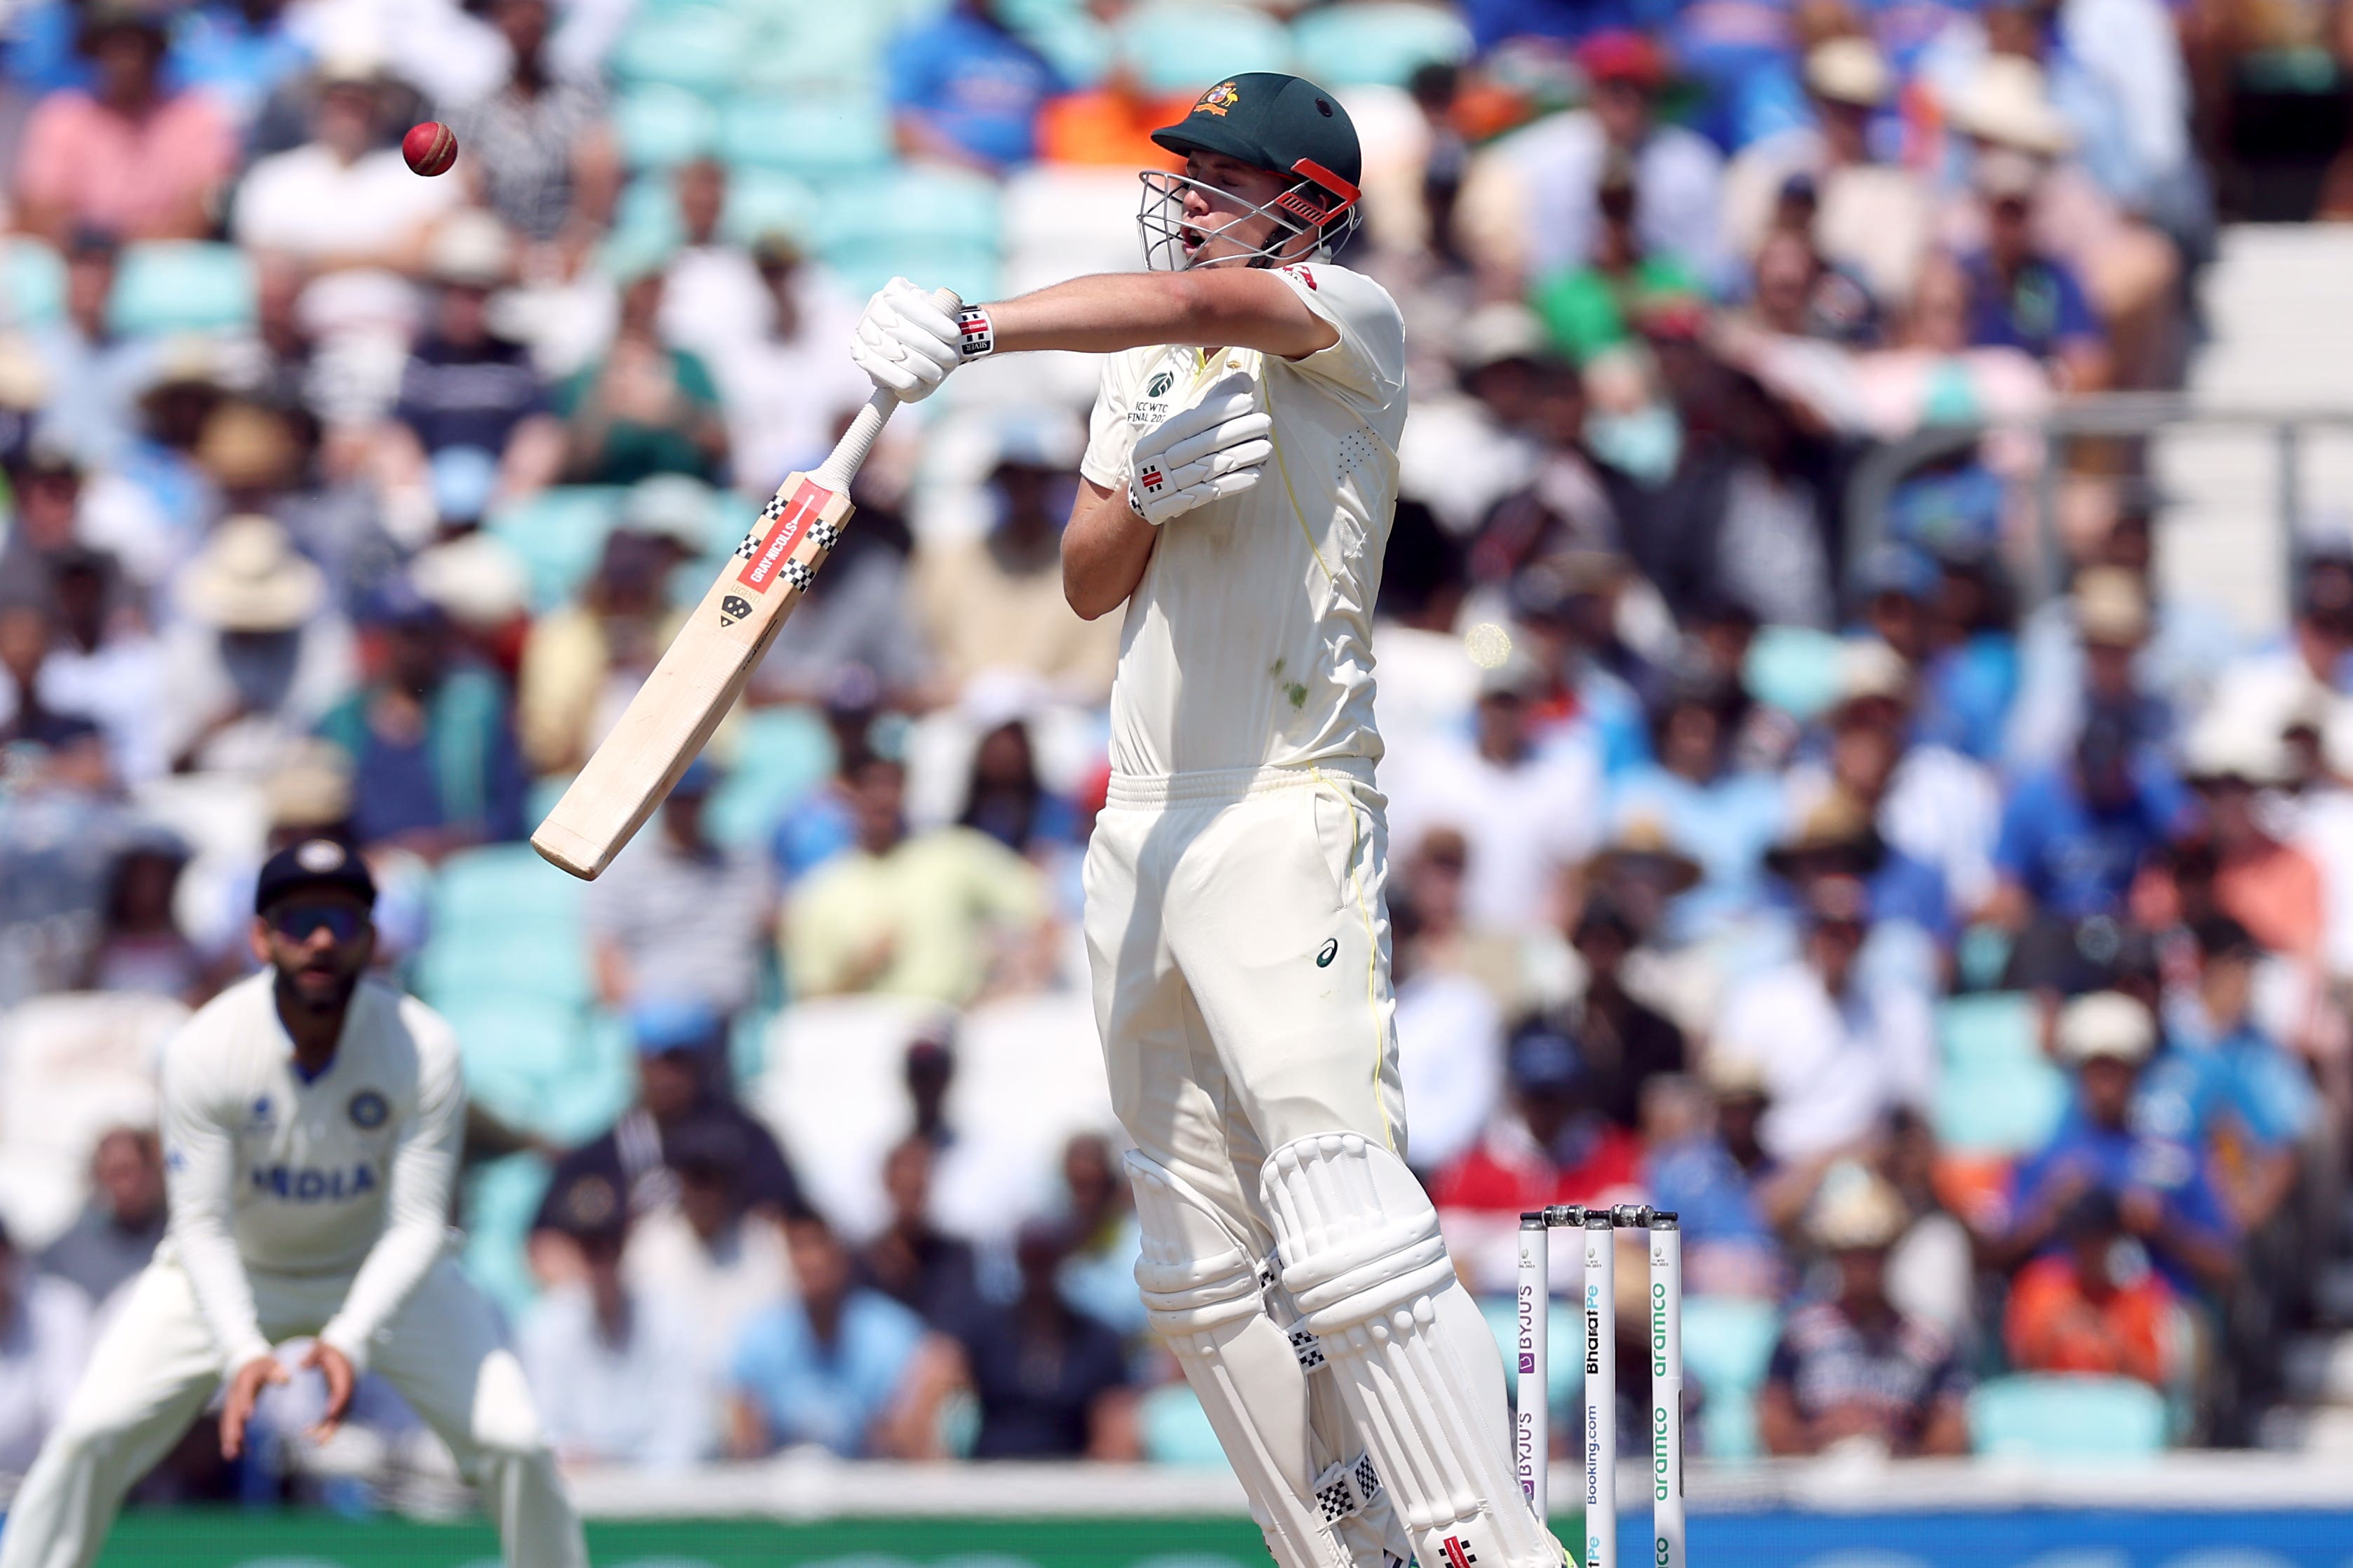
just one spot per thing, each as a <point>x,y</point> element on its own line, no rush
<point>661,126</point>
<point>815,43</point>
<point>1383,43</point>
<point>1176,48</point>
<point>1028,1078</point>
<point>2046,1416</point>
<point>1794,668</point>
<point>762,202</point>
<point>558,533</point>
<point>1727,1341</point>
<point>837,134</point>
<point>34,277</point>
<point>2000,1095</point>
<point>499,1201</point>
<point>518,1053</point>
<point>181,286</point>
<point>501,886</point>
<point>779,755</point>
<point>1064,223</point>
<point>931,224</point>
<point>1175,1431</point>
<point>702,49</point>
<point>834,1094</point>
<point>548,962</point>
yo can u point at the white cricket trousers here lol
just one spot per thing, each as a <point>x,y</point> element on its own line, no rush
<point>156,1366</point>
<point>1238,930</point>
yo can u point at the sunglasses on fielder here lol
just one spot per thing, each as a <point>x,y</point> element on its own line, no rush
<point>296,921</point>
<point>1319,202</point>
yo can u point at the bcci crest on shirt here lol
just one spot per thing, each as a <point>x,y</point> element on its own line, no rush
<point>367,1111</point>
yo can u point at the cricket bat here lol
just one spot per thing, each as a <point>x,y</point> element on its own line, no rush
<point>705,669</point>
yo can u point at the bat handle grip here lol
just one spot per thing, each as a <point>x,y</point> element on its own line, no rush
<point>856,443</point>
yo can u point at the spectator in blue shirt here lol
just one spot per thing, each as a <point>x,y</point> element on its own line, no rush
<point>830,1368</point>
<point>2221,1080</point>
<point>2073,837</point>
<point>2164,1188</point>
<point>966,90</point>
<point>431,742</point>
<point>2023,298</point>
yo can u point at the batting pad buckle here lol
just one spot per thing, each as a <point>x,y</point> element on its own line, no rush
<point>1348,1487</point>
<point>976,335</point>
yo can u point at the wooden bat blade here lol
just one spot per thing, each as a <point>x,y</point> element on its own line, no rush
<point>700,676</point>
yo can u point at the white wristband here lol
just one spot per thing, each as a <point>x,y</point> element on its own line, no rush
<point>979,335</point>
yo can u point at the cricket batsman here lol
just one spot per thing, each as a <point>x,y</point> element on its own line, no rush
<point>311,1120</point>
<point>1237,487</point>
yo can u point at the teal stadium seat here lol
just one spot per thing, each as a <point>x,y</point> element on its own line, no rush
<point>836,134</point>
<point>1175,48</point>
<point>35,277</point>
<point>1999,1094</point>
<point>822,44</point>
<point>1175,1431</point>
<point>1377,43</point>
<point>1727,1343</point>
<point>500,1199</point>
<point>1081,48</point>
<point>762,202</point>
<point>780,755</point>
<point>558,534</point>
<point>661,126</point>
<point>1795,670</point>
<point>504,885</point>
<point>181,286</point>
<point>2047,1416</point>
<point>702,49</point>
<point>516,1051</point>
<point>933,224</point>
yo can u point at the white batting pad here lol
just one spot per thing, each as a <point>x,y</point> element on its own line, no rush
<point>1414,1361</point>
<point>1202,1289</point>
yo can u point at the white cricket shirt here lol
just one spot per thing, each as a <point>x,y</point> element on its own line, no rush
<point>1248,643</point>
<point>347,1172</point>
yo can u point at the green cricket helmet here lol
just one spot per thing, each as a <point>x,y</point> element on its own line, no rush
<point>1284,124</point>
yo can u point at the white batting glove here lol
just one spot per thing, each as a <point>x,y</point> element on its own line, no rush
<point>1212,449</point>
<point>905,342</point>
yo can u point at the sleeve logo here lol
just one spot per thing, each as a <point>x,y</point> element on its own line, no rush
<point>1303,274</point>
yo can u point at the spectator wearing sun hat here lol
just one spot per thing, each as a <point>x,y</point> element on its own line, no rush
<point>2165,1188</point>
<point>1851,1371</point>
<point>1872,215</point>
<point>255,656</point>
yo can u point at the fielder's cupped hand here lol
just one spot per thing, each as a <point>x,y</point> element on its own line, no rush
<point>905,343</point>
<point>1214,448</point>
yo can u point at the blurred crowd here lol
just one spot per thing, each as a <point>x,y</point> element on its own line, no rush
<point>1967,971</point>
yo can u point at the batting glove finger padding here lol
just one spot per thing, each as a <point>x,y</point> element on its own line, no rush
<point>905,343</point>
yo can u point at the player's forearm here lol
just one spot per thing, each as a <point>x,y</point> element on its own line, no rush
<point>224,1295</point>
<point>1105,549</point>
<point>1213,309</point>
<point>394,1266</point>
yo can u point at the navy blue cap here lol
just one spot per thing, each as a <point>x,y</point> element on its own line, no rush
<point>312,863</point>
<point>661,1024</point>
<point>1542,1059</point>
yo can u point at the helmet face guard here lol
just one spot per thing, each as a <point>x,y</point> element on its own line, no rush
<point>1319,203</point>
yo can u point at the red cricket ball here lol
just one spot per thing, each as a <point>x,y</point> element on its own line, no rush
<point>430,148</point>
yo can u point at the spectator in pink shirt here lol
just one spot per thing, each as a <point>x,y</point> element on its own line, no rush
<point>123,157</point>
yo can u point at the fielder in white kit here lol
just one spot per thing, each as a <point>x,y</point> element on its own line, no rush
<point>1236,499</point>
<point>312,1122</point>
